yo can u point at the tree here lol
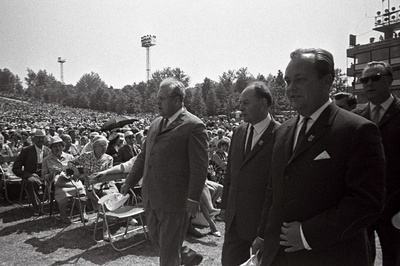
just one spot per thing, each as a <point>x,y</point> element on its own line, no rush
<point>90,83</point>
<point>243,78</point>
<point>168,72</point>
<point>212,103</point>
<point>9,82</point>
<point>197,105</point>
<point>339,82</point>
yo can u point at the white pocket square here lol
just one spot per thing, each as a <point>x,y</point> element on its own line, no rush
<point>322,156</point>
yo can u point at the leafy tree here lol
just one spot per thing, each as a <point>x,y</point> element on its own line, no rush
<point>197,105</point>
<point>90,83</point>
<point>188,99</point>
<point>212,103</point>
<point>9,82</point>
<point>339,82</point>
<point>243,78</point>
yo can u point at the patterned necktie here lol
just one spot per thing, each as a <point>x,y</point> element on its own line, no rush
<point>302,132</point>
<point>375,114</point>
<point>249,141</point>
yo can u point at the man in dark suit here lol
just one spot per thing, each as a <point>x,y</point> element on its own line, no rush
<point>327,175</point>
<point>129,150</point>
<point>245,181</point>
<point>384,110</point>
<point>173,164</point>
<point>28,165</point>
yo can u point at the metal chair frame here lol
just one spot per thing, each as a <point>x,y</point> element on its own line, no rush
<point>6,180</point>
<point>129,210</point>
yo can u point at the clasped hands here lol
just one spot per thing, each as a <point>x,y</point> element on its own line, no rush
<point>290,238</point>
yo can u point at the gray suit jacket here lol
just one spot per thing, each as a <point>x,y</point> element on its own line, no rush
<point>173,163</point>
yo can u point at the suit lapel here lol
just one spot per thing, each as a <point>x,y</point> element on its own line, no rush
<point>265,137</point>
<point>285,139</point>
<point>178,121</point>
<point>318,129</point>
<point>393,109</point>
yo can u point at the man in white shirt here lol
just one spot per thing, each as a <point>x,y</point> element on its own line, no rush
<point>327,175</point>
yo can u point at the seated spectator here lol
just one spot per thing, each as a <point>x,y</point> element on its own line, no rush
<point>25,139</point>
<point>345,100</point>
<point>69,147</point>
<point>28,166</point>
<point>208,208</point>
<point>5,150</point>
<point>219,160</point>
<point>89,146</point>
<point>115,143</point>
<point>93,162</point>
<point>54,171</point>
<point>15,143</point>
<point>139,137</point>
<point>129,150</point>
<point>82,142</point>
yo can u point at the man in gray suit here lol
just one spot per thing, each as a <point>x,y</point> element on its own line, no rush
<point>173,164</point>
<point>247,172</point>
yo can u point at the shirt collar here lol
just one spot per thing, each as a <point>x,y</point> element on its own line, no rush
<point>175,116</point>
<point>385,105</point>
<point>37,149</point>
<point>317,113</point>
<point>262,125</point>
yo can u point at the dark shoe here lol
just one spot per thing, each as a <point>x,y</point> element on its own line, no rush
<point>193,232</point>
<point>189,257</point>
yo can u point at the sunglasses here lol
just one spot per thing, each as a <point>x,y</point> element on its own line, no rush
<point>364,80</point>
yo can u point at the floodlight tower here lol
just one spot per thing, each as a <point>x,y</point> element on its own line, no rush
<point>61,61</point>
<point>147,42</point>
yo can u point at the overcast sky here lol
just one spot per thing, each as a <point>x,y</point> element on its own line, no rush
<point>204,38</point>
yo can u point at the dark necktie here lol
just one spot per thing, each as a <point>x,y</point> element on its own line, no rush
<point>249,141</point>
<point>164,123</point>
<point>375,114</point>
<point>302,132</point>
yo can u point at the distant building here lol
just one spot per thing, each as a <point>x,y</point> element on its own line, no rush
<point>386,49</point>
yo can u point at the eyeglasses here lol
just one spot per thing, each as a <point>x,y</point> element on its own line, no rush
<point>364,80</point>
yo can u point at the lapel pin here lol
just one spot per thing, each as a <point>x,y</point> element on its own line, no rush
<point>310,138</point>
<point>260,142</point>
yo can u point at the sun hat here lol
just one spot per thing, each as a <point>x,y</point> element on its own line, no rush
<point>39,133</point>
<point>54,140</point>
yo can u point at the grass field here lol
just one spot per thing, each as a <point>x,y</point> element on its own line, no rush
<point>28,240</point>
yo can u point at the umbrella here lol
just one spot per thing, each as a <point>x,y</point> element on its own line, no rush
<point>118,121</point>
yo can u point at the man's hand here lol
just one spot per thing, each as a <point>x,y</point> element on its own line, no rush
<point>125,189</point>
<point>291,237</point>
<point>96,177</point>
<point>257,246</point>
<point>192,208</point>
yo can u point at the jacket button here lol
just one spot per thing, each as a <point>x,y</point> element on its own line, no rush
<point>286,177</point>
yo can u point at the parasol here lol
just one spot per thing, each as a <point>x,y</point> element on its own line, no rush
<point>118,121</point>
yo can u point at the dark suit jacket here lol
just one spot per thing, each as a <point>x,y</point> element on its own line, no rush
<point>389,127</point>
<point>126,152</point>
<point>173,163</point>
<point>245,181</point>
<point>334,198</point>
<point>26,162</point>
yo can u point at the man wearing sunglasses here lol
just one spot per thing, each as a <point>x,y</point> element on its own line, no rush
<point>384,109</point>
